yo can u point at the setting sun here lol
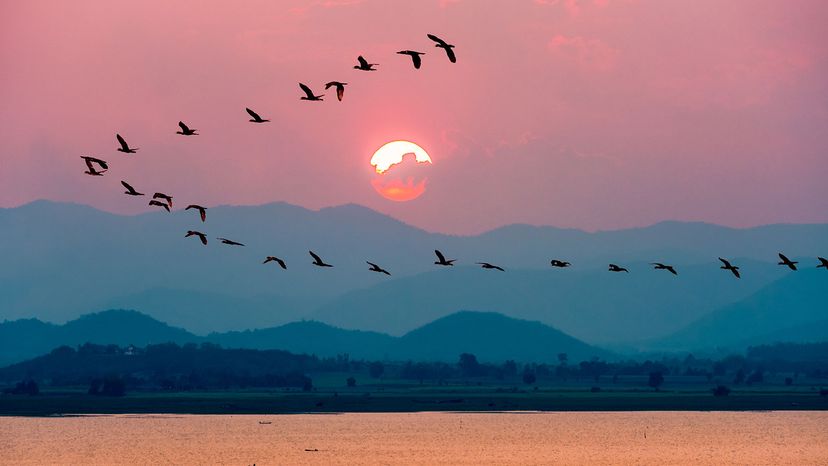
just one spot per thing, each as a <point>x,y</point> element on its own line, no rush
<point>405,182</point>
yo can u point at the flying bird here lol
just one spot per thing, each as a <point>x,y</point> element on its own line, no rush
<point>317,261</point>
<point>124,146</point>
<point>660,266</point>
<point>309,94</point>
<point>130,191</point>
<point>340,89</point>
<point>445,46</point>
<point>276,260</point>
<point>230,242</point>
<point>487,265</point>
<point>158,203</point>
<point>163,196</point>
<point>727,266</point>
<point>823,262</point>
<point>375,268</point>
<point>558,263</point>
<point>202,211</point>
<point>415,57</point>
<point>255,117</point>
<point>185,130</point>
<point>441,259</point>
<point>90,168</point>
<point>785,261</point>
<point>364,65</point>
<point>615,268</point>
<point>200,235</point>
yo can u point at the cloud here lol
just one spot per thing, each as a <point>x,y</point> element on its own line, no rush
<point>586,53</point>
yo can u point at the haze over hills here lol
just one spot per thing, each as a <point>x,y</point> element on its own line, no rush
<point>494,337</point>
<point>61,260</point>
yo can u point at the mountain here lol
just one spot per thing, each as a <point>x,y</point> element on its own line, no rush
<point>60,260</point>
<point>791,309</point>
<point>491,337</point>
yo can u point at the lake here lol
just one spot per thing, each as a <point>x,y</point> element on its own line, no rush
<point>779,437</point>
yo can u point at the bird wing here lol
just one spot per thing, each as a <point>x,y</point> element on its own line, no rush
<point>450,52</point>
<point>362,62</point>
<point>89,164</point>
<point>203,238</point>
<point>281,263</point>
<point>372,265</point>
<point>315,257</point>
<point>725,262</point>
<point>340,92</point>
<point>253,114</point>
<point>736,272</point>
<point>781,256</point>
<point>436,39</point>
<point>332,84</point>
<point>184,127</point>
<point>415,57</point>
<point>100,162</point>
<point>121,141</point>
<point>439,255</point>
<point>307,91</point>
<point>128,187</point>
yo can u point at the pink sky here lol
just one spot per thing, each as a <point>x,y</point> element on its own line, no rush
<point>588,114</point>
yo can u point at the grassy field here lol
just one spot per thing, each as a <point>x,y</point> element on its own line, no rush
<point>330,396</point>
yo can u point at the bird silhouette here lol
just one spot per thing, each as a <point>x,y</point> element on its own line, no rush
<point>230,242</point>
<point>200,235</point>
<point>727,266</point>
<point>364,65</point>
<point>202,211</point>
<point>124,146</point>
<point>317,261</point>
<point>615,268</point>
<point>340,89</point>
<point>130,191</point>
<point>255,117</point>
<point>441,259</point>
<point>445,46</point>
<point>660,266</point>
<point>165,197</point>
<point>90,167</point>
<point>559,263</point>
<point>823,262</point>
<point>415,57</point>
<point>785,261</point>
<point>186,131</point>
<point>487,265</point>
<point>158,203</point>
<point>276,260</point>
<point>309,94</point>
<point>375,268</point>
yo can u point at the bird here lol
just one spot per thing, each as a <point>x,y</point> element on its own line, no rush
<point>415,57</point>
<point>165,197</point>
<point>255,116</point>
<point>364,65</point>
<point>230,242</point>
<point>340,89</point>
<point>202,211</point>
<point>185,130</point>
<point>559,263</point>
<point>130,191</point>
<point>375,268</point>
<point>200,235</point>
<point>615,268</point>
<point>487,265</point>
<point>277,260</point>
<point>160,204</point>
<point>445,46</point>
<point>441,259</point>
<point>90,168</point>
<point>823,262</point>
<point>728,266</point>
<point>317,261</point>
<point>309,94</point>
<point>660,266</point>
<point>785,261</point>
<point>124,146</point>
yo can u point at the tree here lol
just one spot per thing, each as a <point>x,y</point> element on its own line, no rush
<point>468,365</point>
<point>26,387</point>
<point>740,377</point>
<point>376,369</point>
<point>656,379</point>
<point>510,368</point>
<point>563,359</point>
<point>721,390</point>
<point>788,381</point>
<point>351,382</point>
<point>529,377</point>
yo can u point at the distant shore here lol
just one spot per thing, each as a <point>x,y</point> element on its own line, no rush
<point>261,402</point>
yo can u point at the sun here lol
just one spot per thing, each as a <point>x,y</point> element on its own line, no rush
<point>399,176</point>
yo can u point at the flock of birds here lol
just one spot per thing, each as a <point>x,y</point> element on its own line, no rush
<point>97,167</point>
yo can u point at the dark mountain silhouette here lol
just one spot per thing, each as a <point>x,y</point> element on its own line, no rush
<point>791,309</point>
